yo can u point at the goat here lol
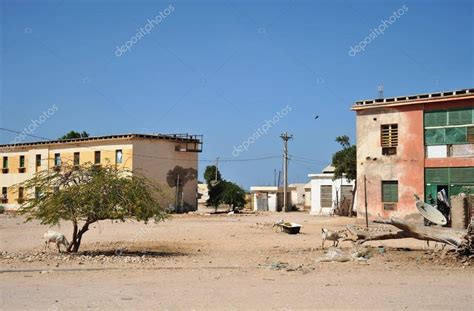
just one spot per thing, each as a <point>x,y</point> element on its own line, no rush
<point>333,236</point>
<point>51,236</point>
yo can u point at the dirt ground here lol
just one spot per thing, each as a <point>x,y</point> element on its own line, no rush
<point>222,262</point>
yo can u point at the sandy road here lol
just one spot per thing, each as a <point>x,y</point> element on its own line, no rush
<point>224,263</point>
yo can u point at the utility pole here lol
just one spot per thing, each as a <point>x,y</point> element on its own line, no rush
<point>177,195</point>
<point>217,166</point>
<point>285,138</point>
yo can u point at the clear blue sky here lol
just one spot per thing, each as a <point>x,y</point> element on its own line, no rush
<point>221,68</point>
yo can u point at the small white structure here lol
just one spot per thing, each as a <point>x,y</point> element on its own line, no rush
<point>307,196</point>
<point>327,194</point>
<point>300,195</point>
<point>267,198</point>
<point>297,194</point>
<point>203,193</point>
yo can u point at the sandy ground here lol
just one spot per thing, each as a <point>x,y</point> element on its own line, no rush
<point>222,262</point>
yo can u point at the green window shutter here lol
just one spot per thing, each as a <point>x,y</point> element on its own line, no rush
<point>389,191</point>
<point>470,134</point>
<point>460,116</point>
<point>456,135</point>
<point>434,137</point>
<point>437,175</point>
<point>463,175</point>
<point>436,118</point>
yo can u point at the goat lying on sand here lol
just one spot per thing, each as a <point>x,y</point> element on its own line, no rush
<point>333,236</point>
<point>51,236</point>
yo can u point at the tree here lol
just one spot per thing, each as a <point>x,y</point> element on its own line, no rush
<point>210,174</point>
<point>74,134</point>
<point>345,164</point>
<point>232,195</point>
<point>86,194</point>
<point>213,185</point>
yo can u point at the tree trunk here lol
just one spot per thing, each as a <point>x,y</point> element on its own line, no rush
<point>462,240</point>
<point>438,234</point>
<point>77,237</point>
<point>74,236</point>
<point>353,199</point>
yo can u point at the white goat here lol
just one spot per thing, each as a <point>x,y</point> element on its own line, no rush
<point>333,236</point>
<point>51,236</point>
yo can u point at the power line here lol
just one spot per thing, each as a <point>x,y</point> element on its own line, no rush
<point>17,132</point>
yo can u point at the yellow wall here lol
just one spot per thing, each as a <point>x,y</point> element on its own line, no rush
<point>86,150</point>
<point>150,157</point>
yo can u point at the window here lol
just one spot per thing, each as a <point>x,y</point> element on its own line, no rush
<point>449,127</point>
<point>118,156</point>
<point>21,194</point>
<point>436,118</point>
<point>21,168</point>
<point>4,197</point>
<point>5,165</point>
<point>390,191</point>
<point>37,193</point>
<point>389,138</point>
<point>326,196</point>
<point>76,158</point>
<point>57,159</point>
<point>470,134</point>
<point>97,157</point>
<point>460,116</point>
<point>38,160</point>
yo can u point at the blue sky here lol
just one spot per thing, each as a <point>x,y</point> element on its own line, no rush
<point>222,68</point>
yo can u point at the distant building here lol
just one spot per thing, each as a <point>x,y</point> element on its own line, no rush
<point>297,194</point>
<point>328,194</point>
<point>170,161</point>
<point>267,198</point>
<point>203,193</point>
<point>417,144</point>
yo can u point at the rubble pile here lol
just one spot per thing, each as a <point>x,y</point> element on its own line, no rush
<point>79,258</point>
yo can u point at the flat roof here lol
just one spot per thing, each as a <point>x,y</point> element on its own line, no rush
<point>266,188</point>
<point>413,99</point>
<point>170,137</point>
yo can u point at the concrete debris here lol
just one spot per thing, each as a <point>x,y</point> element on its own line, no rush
<point>80,258</point>
<point>338,255</point>
<point>278,265</point>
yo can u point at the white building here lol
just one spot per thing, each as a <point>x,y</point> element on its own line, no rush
<point>203,193</point>
<point>267,198</point>
<point>328,194</point>
<point>300,195</point>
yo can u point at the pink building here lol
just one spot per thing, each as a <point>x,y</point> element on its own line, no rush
<point>410,145</point>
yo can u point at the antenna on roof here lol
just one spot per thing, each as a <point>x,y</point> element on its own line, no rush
<point>380,90</point>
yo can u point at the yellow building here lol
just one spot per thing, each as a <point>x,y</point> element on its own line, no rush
<point>166,160</point>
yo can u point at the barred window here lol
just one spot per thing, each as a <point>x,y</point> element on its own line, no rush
<point>389,138</point>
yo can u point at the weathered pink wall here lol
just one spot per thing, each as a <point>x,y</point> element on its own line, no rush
<point>407,166</point>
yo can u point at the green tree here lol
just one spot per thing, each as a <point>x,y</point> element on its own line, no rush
<point>345,163</point>
<point>232,195</point>
<point>210,174</point>
<point>74,134</point>
<point>87,194</point>
<point>213,179</point>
